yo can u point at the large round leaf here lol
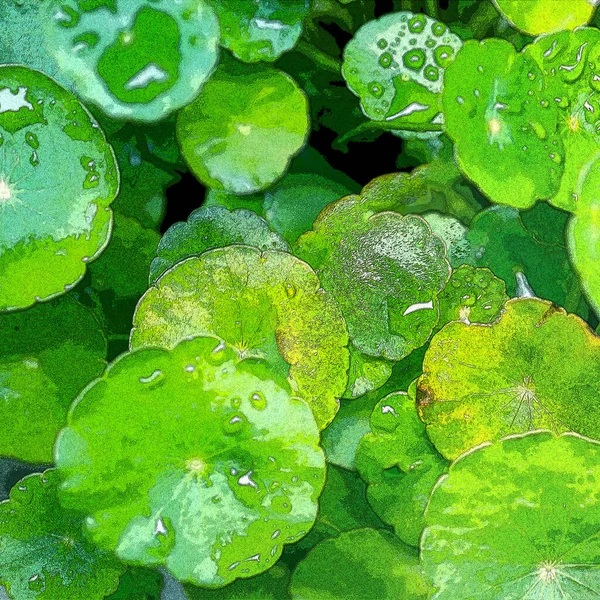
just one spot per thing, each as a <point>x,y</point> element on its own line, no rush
<point>384,269</point>
<point>43,551</point>
<point>369,563</point>
<point>241,132</point>
<point>212,227</point>
<point>544,16</point>
<point>261,30</point>
<point>396,66</point>
<point>504,123</point>
<point>57,179</point>
<point>536,367</point>
<point>47,356</point>
<point>517,520</point>
<point>213,465</point>
<point>267,305</point>
<point>135,59</point>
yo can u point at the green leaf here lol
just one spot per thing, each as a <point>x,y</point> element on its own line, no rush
<point>400,465</point>
<point>368,564</point>
<point>472,296</point>
<point>385,271</point>
<point>47,355</point>
<point>366,373</point>
<point>241,132</point>
<point>545,16</point>
<point>43,552</point>
<point>570,62</point>
<point>261,30</point>
<point>212,507</point>
<point>482,382</point>
<point>271,585</point>
<point>396,66</point>
<point>517,519</point>
<point>57,179</point>
<point>503,121</point>
<point>212,227</point>
<point>266,305</point>
<point>136,60</point>
<point>138,584</point>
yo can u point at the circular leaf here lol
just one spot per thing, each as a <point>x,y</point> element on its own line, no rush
<point>503,122</point>
<point>261,30</point>
<point>57,179</point>
<point>266,305</point>
<point>212,227</point>
<point>396,66</point>
<point>373,564</point>
<point>212,507</point>
<point>44,554</point>
<point>47,355</point>
<point>137,60</point>
<point>482,382</point>
<point>517,519</point>
<point>241,133</point>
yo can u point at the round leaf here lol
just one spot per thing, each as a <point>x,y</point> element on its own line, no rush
<point>482,382</point>
<point>135,59</point>
<point>213,507</point>
<point>47,356</point>
<point>503,122</point>
<point>43,552</point>
<point>371,564</point>
<point>261,30</point>
<point>241,132</point>
<point>396,66</point>
<point>57,179</point>
<point>266,305</point>
<point>517,519</point>
<point>212,227</point>
<point>544,16</point>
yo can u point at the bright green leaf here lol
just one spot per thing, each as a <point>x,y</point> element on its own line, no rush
<point>366,373</point>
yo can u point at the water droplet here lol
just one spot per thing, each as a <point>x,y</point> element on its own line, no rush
<point>154,376</point>
<point>189,368</point>
<point>385,60</point>
<point>376,90</point>
<point>235,424</point>
<point>258,401</point>
<point>414,59</point>
<point>32,140</point>
<point>37,583</point>
<point>382,43</point>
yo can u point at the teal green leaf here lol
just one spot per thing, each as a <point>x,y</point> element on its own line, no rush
<point>43,552</point>
<point>212,227</point>
<point>359,564</point>
<point>47,356</point>
<point>517,519</point>
<point>266,305</point>
<point>211,508</point>
<point>503,121</point>
<point>396,66</point>
<point>545,16</point>
<point>482,382</point>
<point>261,30</point>
<point>136,60</point>
<point>58,177</point>
<point>240,134</point>
<point>400,465</point>
<point>384,269</point>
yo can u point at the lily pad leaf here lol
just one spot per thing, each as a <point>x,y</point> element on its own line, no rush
<point>261,30</point>
<point>396,66</point>
<point>241,132</point>
<point>545,16</point>
<point>372,564</point>
<point>44,553</point>
<point>534,488</point>
<point>504,123</point>
<point>212,227</point>
<point>400,465</point>
<point>482,382</point>
<point>266,305</point>
<point>48,354</point>
<point>58,177</point>
<point>384,269</point>
<point>214,507</point>
<point>136,60</point>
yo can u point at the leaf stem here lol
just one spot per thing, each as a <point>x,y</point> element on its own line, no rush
<point>431,6</point>
<point>319,57</point>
